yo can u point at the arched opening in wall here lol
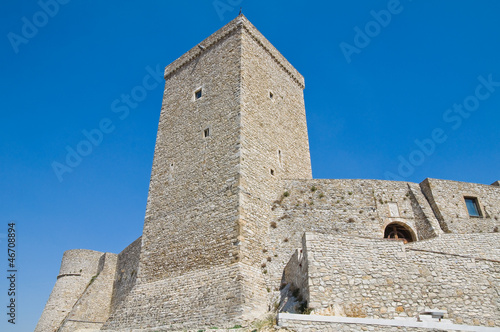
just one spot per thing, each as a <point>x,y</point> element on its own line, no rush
<point>396,231</point>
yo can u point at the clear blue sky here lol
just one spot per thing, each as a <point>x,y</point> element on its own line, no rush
<point>375,100</point>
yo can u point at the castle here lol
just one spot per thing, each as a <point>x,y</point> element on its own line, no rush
<point>236,228</point>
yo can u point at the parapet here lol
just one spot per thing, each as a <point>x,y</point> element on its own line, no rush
<point>240,21</point>
<point>78,262</point>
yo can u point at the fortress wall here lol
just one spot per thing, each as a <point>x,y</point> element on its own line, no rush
<point>126,272</point>
<point>346,207</point>
<point>77,269</point>
<point>207,297</point>
<point>375,278</point>
<point>448,198</point>
<point>93,307</point>
<point>484,246</point>
<point>274,142</point>
<point>274,146</point>
<point>191,217</point>
<point>190,239</point>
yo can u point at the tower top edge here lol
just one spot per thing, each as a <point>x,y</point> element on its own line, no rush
<point>240,23</point>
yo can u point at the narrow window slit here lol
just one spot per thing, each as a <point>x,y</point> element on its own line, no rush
<point>197,94</point>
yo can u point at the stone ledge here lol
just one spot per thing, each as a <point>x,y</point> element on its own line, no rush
<point>285,319</point>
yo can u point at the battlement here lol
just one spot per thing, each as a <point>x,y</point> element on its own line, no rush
<point>239,25</point>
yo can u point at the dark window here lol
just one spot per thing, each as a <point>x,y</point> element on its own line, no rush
<point>272,171</point>
<point>206,132</point>
<point>271,95</point>
<point>197,94</point>
<point>472,206</point>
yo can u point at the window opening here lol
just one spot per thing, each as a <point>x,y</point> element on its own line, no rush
<point>472,206</point>
<point>197,94</point>
<point>398,232</point>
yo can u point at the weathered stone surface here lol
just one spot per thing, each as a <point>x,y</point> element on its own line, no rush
<point>447,200</point>
<point>362,276</point>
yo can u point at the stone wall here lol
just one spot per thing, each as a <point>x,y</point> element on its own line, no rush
<point>478,245</point>
<point>347,207</point>
<point>447,200</point>
<point>202,298</point>
<point>296,273</point>
<point>126,272</point>
<point>193,200</point>
<point>77,269</point>
<point>360,277</point>
<point>274,145</point>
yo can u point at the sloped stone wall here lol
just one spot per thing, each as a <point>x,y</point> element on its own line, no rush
<point>374,278</point>
<point>204,298</point>
<point>126,272</point>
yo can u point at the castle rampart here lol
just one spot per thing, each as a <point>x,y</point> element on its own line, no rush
<point>378,278</point>
<point>362,208</point>
<point>126,273</point>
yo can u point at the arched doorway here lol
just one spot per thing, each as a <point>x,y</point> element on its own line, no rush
<point>396,231</point>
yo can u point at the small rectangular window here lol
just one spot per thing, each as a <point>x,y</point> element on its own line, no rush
<point>472,206</point>
<point>206,132</point>
<point>197,94</point>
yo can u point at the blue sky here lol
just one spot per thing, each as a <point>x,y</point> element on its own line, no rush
<point>394,90</point>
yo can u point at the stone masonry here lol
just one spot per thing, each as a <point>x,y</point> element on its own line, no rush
<point>231,196</point>
<point>379,278</point>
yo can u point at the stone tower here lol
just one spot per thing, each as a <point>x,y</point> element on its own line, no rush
<point>232,126</point>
